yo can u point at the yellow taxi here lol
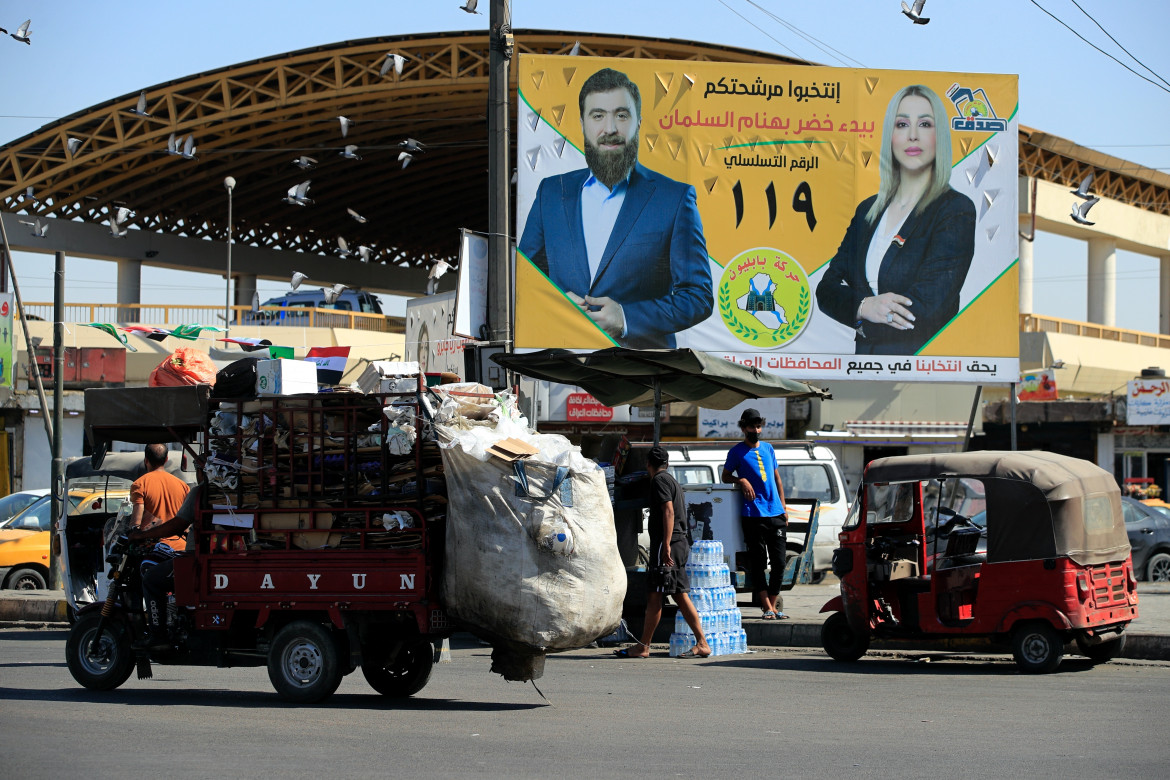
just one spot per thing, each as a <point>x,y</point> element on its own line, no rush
<point>24,560</point>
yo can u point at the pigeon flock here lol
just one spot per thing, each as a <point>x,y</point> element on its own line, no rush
<point>185,148</point>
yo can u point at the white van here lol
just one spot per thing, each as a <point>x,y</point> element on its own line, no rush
<point>806,470</point>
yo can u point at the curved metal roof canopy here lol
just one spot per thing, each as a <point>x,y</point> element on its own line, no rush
<point>251,120</point>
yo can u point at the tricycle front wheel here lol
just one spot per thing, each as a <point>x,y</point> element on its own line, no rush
<point>99,662</point>
<point>840,641</point>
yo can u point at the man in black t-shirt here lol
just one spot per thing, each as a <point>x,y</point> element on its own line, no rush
<point>668,557</point>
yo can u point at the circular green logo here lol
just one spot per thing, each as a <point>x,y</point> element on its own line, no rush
<point>764,297</point>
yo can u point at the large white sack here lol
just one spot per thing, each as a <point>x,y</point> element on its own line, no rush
<point>523,566</point>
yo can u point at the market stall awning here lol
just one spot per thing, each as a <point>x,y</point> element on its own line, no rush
<point>619,376</point>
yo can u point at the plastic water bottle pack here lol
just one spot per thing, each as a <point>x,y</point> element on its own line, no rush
<point>714,599</point>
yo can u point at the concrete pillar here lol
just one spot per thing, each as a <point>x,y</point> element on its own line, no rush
<point>245,288</point>
<point>1164,295</point>
<point>1026,266</point>
<point>129,288</point>
<point>1103,281</point>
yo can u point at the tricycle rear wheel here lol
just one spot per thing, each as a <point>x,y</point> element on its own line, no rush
<point>110,663</point>
<point>406,675</point>
<point>1037,648</point>
<point>303,663</point>
<point>840,641</point>
<point>1102,652</point>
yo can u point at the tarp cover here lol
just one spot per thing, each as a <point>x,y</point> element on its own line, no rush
<point>1039,504</point>
<point>531,553</point>
<point>123,465</point>
<point>144,415</point>
<point>619,376</point>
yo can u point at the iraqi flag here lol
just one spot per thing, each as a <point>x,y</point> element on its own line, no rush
<point>330,363</point>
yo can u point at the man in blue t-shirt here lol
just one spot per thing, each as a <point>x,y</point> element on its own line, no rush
<point>751,464</point>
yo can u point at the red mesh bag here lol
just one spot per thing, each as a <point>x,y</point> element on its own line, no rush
<point>185,366</point>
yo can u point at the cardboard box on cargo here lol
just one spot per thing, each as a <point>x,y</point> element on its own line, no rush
<point>285,377</point>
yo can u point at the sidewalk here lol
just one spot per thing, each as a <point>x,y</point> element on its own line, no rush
<point>1148,637</point>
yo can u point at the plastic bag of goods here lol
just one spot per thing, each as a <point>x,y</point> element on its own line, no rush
<point>532,562</point>
<point>185,366</point>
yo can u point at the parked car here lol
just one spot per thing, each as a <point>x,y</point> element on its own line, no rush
<point>1149,540</point>
<point>15,503</point>
<point>1158,504</point>
<point>34,518</point>
<point>24,562</point>
<point>348,300</point>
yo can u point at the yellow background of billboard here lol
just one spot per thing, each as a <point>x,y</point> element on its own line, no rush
<point>846,175</point>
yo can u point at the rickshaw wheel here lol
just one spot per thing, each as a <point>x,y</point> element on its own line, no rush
<point>840,641</point>
<point>1037,648</point>
<point>1103,652</point>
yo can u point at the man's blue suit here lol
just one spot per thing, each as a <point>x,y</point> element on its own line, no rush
<point>655,264</point>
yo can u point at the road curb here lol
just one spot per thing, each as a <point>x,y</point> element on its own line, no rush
<point>34,610</point>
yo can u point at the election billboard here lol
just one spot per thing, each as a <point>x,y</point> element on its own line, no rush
<point>819,223</point>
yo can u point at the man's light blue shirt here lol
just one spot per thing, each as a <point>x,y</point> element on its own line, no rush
<point>599,211</point>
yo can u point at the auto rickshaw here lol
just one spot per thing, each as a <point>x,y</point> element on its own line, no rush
<point>1051,564</point>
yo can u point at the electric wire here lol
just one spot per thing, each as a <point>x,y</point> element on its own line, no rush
<point>1062,23</point>
<point>1127,51</point>
<point>810,38</point>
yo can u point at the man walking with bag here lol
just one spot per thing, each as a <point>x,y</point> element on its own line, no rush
<point>668,559</point>
<point>751,464</point>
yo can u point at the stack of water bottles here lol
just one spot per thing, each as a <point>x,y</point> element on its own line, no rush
<point>714,599</point>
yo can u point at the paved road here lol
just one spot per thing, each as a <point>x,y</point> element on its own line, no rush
<point>789,711</point>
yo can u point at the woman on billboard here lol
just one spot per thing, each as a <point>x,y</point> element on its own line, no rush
<point>897,275</point>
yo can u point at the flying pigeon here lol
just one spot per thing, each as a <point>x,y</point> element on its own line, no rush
<point>304,163</point>
<point>297,278</point>
<point>298,194</point>
<point>350,152</point>
<point>39,227</point>
<point>469,7</point>
<point>123,214</point>
<point>1081,210</point>
<point>406,157</point>
<point>915,13</point>
<point>395,61</point>
<point>438,269</point>
<point>412,146</point>
<point>186,150</point>
<point>342,247</point>
<point>357,216</point>
<point>346,123</point>
<point>332,295</point>
<point>73,144</point>
<point>116,220</point>
<point>1083,190</point>
<point>140,109</point>
<point>22,33</point>
<point>28,195</point>
<point>255,301</point>
<point>365,253</point>
<point>575,50</point>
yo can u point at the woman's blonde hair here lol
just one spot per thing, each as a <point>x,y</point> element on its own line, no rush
<point>891,173</point>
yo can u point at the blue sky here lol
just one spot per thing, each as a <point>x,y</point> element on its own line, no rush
<point>85,52</point>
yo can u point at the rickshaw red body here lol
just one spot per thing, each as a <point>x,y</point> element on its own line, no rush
<point>895,585</point>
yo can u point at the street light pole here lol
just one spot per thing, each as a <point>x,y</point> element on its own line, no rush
<point>230,184</point>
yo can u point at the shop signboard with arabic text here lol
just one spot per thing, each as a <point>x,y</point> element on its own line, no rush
<point>1148,402</point>
<point>740,210</point>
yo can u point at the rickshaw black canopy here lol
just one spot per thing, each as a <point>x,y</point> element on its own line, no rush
<point>1039,504</point>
